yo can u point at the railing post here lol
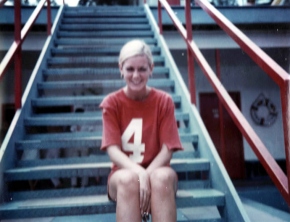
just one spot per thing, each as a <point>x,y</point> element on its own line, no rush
<point>285,100</point>
<point>160,18</point>
<point>48,17</point>
<point>17,56</point>
<point>190,57</point>
<point>2,3</point>
<point>221,110</point>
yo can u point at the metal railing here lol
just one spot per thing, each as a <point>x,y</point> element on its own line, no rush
<point>280,76</point>
<point>15,49</point>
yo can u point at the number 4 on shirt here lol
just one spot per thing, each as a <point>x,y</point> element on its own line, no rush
<point>137,147</point>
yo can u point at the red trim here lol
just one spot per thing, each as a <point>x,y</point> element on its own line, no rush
<point>17,56</point>
<point>221,113</point>
<point>191,76</point>
<point>48,18</point>
<point>190,58</point>
<point>160,18</point>
<point>286,126</point>
<point>173,2</point>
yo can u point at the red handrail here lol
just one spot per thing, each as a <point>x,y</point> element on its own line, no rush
<point>19,36</point>
<point>266,63</point>
<point>190,59</point>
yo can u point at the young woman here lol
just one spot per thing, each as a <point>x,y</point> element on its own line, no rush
<point>140,134</point>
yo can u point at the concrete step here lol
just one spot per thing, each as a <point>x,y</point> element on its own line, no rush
<point>104,12</point>
<point>97,42</point>
<point>105,34</point>
<point>90,190</point>
<point>79,51</point>
<point>74,101</point>
<point>103,27</point>
<point>114,84</point>
<point>97,204</point>
<point>66,74</point>
<point>90,169</point>
<point>86,118</point>
<point>197,214</point>
<point>92,61</point>
<point>102,20</point>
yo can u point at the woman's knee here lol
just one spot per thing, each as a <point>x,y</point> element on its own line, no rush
<point>127,181</point>
<point>163,178</point>
<point>123,183</point>
<point>128,178</point>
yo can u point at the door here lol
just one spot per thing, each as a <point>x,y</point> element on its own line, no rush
<point>224,133</point>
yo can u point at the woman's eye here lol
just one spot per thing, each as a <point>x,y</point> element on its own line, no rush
<point>130,69</point>
<point>142,69</point>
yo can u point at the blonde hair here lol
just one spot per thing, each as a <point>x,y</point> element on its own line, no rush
<point>134,48</point>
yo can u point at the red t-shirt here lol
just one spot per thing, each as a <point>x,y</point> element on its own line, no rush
<point>140,128</point>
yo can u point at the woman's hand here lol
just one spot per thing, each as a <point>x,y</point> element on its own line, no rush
<point>145,192</point>
<point>123,161</point>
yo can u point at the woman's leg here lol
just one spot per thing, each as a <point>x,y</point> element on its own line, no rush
<point>163,189</point>
<point>124,188</point>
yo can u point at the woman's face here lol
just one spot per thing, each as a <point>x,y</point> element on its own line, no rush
<point>136,72</point>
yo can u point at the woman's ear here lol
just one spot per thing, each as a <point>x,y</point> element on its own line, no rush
<point>151,69</point>
<point>120,69</point>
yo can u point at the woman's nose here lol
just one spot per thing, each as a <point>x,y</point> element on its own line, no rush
<point>135,74</point>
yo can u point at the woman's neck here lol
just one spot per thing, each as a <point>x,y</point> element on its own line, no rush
<point>138,96</point>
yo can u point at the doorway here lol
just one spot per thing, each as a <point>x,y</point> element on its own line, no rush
<point>226,136</point>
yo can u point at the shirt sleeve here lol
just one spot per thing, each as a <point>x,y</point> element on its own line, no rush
<point>168,127</point>
<point>111,130</point>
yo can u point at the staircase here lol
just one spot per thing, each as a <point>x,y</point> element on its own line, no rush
<point>77,68</point>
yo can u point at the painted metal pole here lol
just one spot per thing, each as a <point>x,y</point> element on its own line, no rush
<point>285,99</point>
<point>221,113</point>
<point>190,57</point>
<point>160,18</point>
<point>48,18</point>
<point>17,56</point>
<point>2,3</point>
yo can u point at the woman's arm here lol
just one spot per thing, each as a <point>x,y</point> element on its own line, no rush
<point>122,160</point>
<point>162,159</point>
